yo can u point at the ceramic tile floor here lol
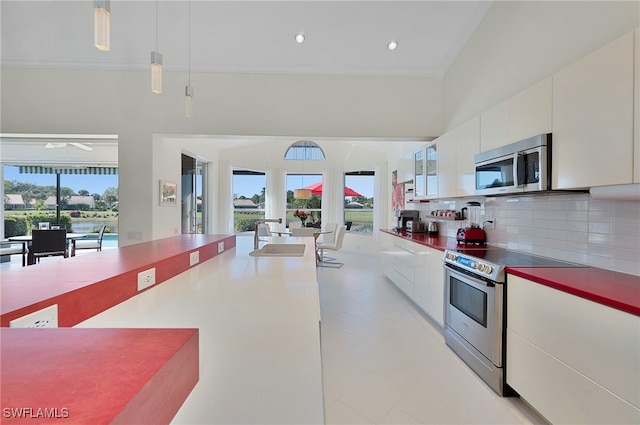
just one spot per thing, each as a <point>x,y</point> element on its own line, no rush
<point>385,363</point>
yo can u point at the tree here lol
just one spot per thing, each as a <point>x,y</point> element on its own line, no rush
<point>110,195</point>
<point>83,192</point>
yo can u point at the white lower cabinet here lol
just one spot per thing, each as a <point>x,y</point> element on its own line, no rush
<point>573,360</point>
<point>417,270</point>
<point>429,282</point>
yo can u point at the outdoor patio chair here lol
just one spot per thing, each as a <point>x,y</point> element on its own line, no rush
<point>47,243</point>
<point>92,242</point>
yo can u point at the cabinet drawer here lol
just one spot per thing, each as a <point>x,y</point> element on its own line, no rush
<point>404,284</point>
<point>404,256</point>
<point>404,270</point>
<point>405,244</point>
<point>560,393</point>
<point>598,341</point>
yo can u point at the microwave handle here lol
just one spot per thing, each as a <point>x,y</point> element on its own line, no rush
<point>521,170</point>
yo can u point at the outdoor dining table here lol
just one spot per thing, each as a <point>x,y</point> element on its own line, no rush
<point>26,239</point>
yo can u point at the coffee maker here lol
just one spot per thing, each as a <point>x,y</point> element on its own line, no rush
<point>407,215</point>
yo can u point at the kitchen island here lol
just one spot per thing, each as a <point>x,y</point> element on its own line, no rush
<point>259,330</point>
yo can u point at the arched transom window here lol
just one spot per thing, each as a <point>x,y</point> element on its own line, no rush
<point>305,150</point>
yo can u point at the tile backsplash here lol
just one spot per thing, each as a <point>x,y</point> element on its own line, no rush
<point>571,227</point>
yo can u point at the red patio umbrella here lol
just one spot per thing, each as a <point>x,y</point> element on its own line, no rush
<point>316,189</point>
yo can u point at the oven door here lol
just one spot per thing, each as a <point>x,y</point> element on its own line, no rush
<point>474,311</point>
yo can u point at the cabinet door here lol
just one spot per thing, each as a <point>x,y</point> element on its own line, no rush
<point>447,165</point>
<point>431,171</point>
<point>564,350</point>
<point>467,146</point>
<point>435,294</point>
<point>494,131</point>
<point>419,184</point>
<point>421,278</point>
<point>593,119</point>
<point>530,111</point>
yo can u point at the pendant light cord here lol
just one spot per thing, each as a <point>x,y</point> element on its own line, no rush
<point>157,25</point>
<point>189,50</point>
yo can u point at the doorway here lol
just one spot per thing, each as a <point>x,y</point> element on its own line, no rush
<point>194,202</point>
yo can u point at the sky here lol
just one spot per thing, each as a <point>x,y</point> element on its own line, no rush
<point>92,183</point>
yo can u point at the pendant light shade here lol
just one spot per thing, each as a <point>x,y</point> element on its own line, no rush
<point>156,72</point>
<point>302,194</point>
<point>102,24</point>
<point>188,101</point>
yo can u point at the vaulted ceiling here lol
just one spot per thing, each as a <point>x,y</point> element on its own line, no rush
<point>342,37</point>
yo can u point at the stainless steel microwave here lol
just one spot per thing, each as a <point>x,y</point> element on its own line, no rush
<point>524,166</point>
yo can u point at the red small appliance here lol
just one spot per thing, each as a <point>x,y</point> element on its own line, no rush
<point>472,234</point>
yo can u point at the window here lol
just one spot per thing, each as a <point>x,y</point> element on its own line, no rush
<point>358,201</point>
<point>313,205</point>
<point>249,192</point>
<point>305,150</point>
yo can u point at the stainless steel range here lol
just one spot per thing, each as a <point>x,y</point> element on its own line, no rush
<point>476,306</point>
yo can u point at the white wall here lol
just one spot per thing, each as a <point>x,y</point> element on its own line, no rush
<point>519,43</point>
<point>120,102</point>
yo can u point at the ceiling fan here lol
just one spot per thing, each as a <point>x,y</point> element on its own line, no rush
<point>51,145</point>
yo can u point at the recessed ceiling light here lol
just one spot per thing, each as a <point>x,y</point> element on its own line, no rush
<point>392,45</point>
<point>300,38</point>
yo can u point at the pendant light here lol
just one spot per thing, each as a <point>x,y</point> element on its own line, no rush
<point>188,90</point>
<point>302,193</point>
<point>102,24</point>
<point>156,63</point>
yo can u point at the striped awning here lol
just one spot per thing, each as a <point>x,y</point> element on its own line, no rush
<point>36,169</point>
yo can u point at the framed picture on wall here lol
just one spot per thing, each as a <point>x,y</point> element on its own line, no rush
<point>168,193</point>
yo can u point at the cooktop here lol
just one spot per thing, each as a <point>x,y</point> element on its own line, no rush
<point>490,261</point>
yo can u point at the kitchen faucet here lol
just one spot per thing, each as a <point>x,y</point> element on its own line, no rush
<point>260,221</point>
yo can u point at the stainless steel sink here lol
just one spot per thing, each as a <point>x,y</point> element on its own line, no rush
<point>279,250</point>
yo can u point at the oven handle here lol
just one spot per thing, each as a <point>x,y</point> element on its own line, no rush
<point>469,275</point>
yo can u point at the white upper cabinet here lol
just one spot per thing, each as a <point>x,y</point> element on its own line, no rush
<point>593,118</point>
<point>467,146</point>
<point>530,112</point>
<point>405,168</point>
<point>419,179</point>
<point>431,171</point>
<point>494,127</point>
<point>447,177</point>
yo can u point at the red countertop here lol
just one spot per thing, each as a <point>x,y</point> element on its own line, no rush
<point>438,242</point>
<point>617,290</point>
<point>86,285</point>
<point>614,289</point>
<point>96,376</point>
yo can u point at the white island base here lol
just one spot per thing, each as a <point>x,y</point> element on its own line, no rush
<point>259,322</point>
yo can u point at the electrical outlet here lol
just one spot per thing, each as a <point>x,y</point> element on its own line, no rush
<point>220,247</point>
<point>194,258</point>
<point>45,318</point>
<point>146,278</point>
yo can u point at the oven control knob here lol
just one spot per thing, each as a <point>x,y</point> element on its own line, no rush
<point>475,265</point>
<point>488,269</point>
<point>451,256</point>
<point>481,267</point>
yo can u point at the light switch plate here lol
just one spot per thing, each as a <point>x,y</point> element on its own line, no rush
<point>194,258</point>
<point>146,278</point>
<point>220,247</point>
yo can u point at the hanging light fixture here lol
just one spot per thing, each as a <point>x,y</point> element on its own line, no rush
<point>302,193</point>
<point>188,90</point>
<point>156,63</point>
<point>102,24</point>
